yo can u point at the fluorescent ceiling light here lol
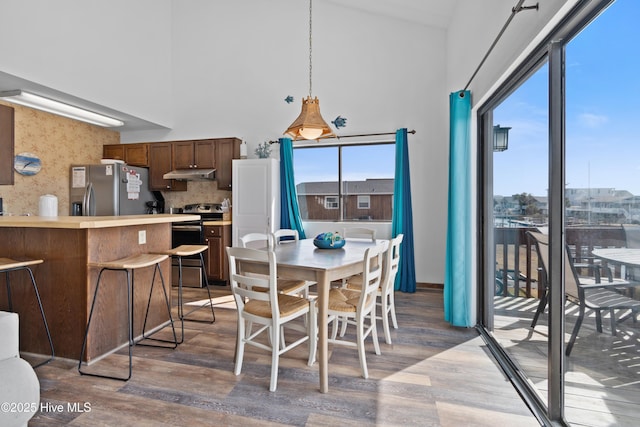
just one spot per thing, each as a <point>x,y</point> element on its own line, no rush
<point>49,105</point>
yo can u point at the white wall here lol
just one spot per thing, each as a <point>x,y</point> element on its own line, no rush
<point>215,69</point>
<point>112,53</point>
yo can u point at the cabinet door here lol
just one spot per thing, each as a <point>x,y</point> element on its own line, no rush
<point>226,150</point>
<point>182,152</point>
<point>113,151</point>
<point>204,154</point>
<point>136,154</point>
<point>215,253</point>
<point>159,164</point>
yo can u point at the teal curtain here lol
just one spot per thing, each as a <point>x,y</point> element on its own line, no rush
<point>457,274</point>
<point>289,211</point>
<point>402,219</point>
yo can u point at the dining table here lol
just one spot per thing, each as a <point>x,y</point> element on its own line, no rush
<point>301,259</point>
<point>625,257</point>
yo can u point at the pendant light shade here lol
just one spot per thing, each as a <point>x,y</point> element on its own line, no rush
<point>309,124</point>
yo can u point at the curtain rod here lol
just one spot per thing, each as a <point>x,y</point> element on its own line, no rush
<point>355,136</point>
<point>515,10</point>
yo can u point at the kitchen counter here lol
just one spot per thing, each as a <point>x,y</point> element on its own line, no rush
<point>85,222</point>
<point>68,245</point>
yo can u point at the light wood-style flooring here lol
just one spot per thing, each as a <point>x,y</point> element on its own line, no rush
<point>432,375</point>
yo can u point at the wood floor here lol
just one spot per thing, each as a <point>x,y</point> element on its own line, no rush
<point>432,375</point>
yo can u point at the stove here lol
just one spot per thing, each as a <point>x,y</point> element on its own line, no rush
<point>192,233</point>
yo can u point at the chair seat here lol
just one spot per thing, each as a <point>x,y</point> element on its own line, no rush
<point>605,298</point>
<point>286,286</point>
<point>133,261</point>
<point>8,263</point>
<point>344,300</point>
<point>288,305</point>
<point>186,250</point>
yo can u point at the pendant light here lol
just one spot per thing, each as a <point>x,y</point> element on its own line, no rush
<point>309,124</point>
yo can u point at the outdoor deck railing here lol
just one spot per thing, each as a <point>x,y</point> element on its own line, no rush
<point>512,245</point>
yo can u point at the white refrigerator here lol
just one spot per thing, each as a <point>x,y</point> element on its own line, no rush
<point>255,204</point>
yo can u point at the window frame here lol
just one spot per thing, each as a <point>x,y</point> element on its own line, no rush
<point>301,145</point>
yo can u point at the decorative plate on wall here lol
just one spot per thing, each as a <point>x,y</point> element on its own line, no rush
<point>27,164</point>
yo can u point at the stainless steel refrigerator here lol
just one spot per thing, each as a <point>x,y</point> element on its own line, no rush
<point>109,189</point>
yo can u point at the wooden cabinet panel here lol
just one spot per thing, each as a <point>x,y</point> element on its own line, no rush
<point>131,154</point>
<point>113,151</point>
<point>217,237</point>
<point>136,154</point>
<point>199,154</point>
<point>182,152</point>
<point>6,145</point>
<point>159,164</point>
<point>227,149</point>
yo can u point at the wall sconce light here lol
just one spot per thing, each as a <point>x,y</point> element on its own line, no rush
<point>500,138</point>
<point>56,107</point>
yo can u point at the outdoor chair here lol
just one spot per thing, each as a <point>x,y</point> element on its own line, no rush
<point>586,293</point>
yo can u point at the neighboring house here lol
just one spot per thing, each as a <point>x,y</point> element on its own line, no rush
<point>369,200</point>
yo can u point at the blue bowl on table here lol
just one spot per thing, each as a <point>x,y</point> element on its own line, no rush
<point>326,244</point>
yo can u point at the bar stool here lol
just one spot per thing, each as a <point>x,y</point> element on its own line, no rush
<point>178,253</point>
<point>129,265</point>
<point>8,265</point>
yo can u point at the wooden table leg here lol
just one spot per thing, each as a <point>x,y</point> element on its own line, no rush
<point>323,306</point>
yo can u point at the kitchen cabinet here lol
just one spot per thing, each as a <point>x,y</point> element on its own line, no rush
<point>198,154</point>
<point>132,154</point>
<point>255,197</point>
<point>159,164</point>
<point>217,237</point>
<point>227,149</point>
<point>6,145</point>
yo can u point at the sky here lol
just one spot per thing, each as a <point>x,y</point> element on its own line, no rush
<point>602,113</point>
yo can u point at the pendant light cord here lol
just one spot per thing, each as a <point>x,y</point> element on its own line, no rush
<point>310,49</point>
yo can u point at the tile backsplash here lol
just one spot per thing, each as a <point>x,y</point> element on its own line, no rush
<point>197,192</point>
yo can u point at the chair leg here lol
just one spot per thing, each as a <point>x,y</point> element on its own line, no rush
<point>240,345</point>
<point>275,356</point>
<point>361,349</point>
<point>385,319</point>
<point>206,284</point>
<point>541,306</point>
<point>312,330</point>
<point>392,309</point>
<point>166,300</point>
<point>574,334</point>
<point>44,319</point>
<point>599,320</point>
<point>129,328</point>
<point>613,322</point>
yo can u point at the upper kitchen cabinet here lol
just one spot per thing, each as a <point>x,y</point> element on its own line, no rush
<point>227,149</point>
<point>199,154</point>
<point>160,162</point>
<point>6,145</point>
<point>131,154</point>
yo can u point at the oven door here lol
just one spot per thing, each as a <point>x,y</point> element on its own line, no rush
<point>187,233</point>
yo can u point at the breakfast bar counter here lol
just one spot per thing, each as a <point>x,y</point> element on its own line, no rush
<point>67,245</point>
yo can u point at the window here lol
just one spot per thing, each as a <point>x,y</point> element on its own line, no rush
<point>331,202</point>
<point>364,202</point>
<point>338,182</point>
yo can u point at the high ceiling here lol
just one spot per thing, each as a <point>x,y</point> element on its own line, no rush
<point>435,13</point>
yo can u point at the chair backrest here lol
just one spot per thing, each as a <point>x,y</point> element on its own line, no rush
<point>571,281</point>
<point>359,233</point>
<point>289,235</point>
<point>632,235</point>
<point>242,283</point>
<point>371,277</point>
<point>255,241</point>
<point>390,264</point>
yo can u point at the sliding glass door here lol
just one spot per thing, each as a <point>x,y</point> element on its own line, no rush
<point>561,202</point>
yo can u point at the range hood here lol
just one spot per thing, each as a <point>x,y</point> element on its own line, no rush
<point>191,174</point>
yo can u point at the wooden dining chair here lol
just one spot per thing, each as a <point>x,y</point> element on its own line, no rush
<point>284,236</point>
<point>272,311</point>
<point>386,291</point>
<point>359,307</point>
<point>285,286</point>
<point>586,293</point>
